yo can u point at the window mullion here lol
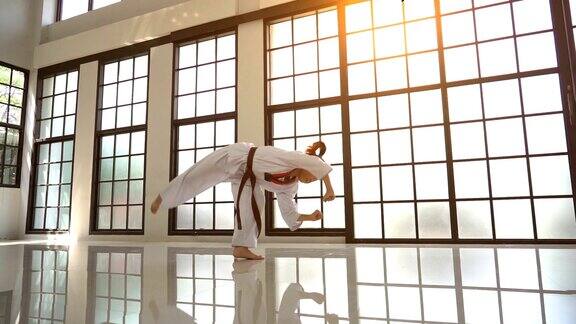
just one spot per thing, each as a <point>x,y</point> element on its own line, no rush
<point>447,132</point>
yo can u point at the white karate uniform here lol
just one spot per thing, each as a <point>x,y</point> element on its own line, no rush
<point>228,165</point>
<point>249,303</point>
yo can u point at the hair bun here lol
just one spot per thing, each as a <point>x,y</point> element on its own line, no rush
<point>311,150</point>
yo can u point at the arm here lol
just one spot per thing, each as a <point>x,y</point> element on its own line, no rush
<point>329,195</point>
<point>290,214</point>
<point>289,210</point>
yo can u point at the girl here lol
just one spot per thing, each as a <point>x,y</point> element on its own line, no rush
<point>251,169</point>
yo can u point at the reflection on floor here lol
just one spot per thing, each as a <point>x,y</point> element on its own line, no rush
<point>330,284</point>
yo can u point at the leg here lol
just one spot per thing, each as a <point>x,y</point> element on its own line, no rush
<point>244,239</point>
<point>203,175</point>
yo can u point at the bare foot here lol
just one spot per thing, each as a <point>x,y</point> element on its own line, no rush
<point>156,204</point>
<point>242,252</point>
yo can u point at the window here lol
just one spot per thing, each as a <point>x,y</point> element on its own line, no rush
<point>45,285</point>
<point>115,289</point>
<point>121,151</point>
<point>507,140</point>
<point>204,121</point>
<point>444,121</point>
<point>13,89</point>
<point>303,76</point>
<point>201,284</point>
<point>71,8</point>
<point>52,172</point>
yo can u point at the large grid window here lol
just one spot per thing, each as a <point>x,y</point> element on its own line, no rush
<point>204,121</point>
<point>507,121</point>
<point>71,8</point>
<point>397,141</point>
<point>303,78</point>
<point>453,121</point>
<point>117,286</point>
<point>45,285</point>
<point>13,83</point>
<point>54,153</point>
<point>203,286</point>
<point>508,137</point>
<point>121,149</point>
<point>295,130</point>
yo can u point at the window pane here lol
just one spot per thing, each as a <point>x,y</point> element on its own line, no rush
<point>471,179</point>
<point>474,220</point>
<point>468,141</point>
<point>367,221</point>
<point>71,8</point>
<point>550,175</point>
<point>498,57</point>
<point>458,29</point>
<point>397,183</point>
<point>431,181</point>
<point>505,137</point>
<point>434,220</point>
<point>555,218</point>
<point>399,220</point>
<point>509,178</point>
<point>366,184</point>
<point>513,219</point>
<point>544,45</point>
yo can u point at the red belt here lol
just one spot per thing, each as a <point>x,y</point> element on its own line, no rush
<point>249,174</point>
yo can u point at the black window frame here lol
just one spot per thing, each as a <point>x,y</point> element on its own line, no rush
<point>214,118</point>
<point>48,141</point>
<point>117,131</point>
<point>20,127</point>
<point>564,52</point>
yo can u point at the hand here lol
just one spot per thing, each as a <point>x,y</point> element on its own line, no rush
<point>329,195</point>
<point>317,297</point>
<point>316,215</point>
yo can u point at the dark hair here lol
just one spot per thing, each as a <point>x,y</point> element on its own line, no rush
<point>311,150</point>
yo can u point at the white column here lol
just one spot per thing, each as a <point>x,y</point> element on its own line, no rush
<point>250,82</point>
<point>84,151</point>
<point>158,138</point>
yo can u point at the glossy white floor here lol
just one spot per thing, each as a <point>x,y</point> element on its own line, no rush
<point>185,283</point>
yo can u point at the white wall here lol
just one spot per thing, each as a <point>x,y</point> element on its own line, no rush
<point>19,34</point>
<point>101,17</point>
<point>20,22</point>
<point>134,30</point>
<point>9,213</point>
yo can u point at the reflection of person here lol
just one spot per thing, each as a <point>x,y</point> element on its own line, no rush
<point>291,300</point>
<point>249,308</point>
<point>250,170</point>
<point>169,314</point>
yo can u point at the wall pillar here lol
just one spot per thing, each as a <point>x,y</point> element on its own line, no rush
<point>84,151</point>
<point>158,138</point>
